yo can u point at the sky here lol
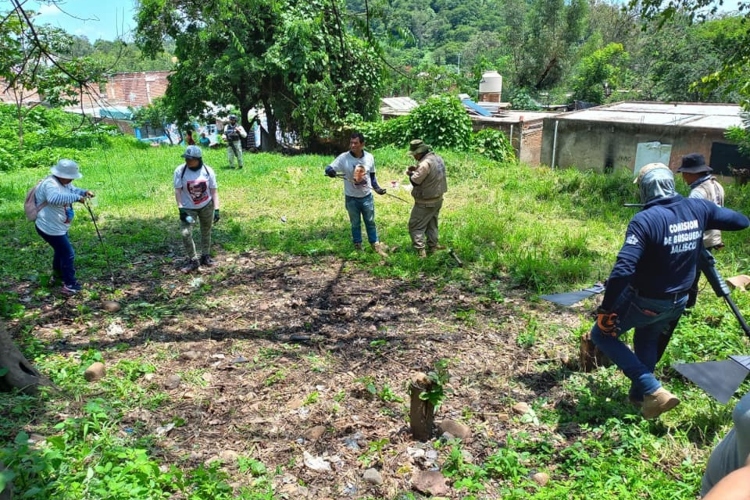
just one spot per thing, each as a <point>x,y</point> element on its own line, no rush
<point>106,19</point>
<point>94,19</point>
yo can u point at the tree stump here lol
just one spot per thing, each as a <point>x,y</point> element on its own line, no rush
<point>589,356</point>
<point>421,413</point>
<point>21,374</point>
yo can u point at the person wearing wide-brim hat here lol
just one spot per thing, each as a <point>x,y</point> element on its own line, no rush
<point>697,174</point>
<point>429,185</point>
<point>54,199</point>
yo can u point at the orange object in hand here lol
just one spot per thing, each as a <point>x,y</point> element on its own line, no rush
<point>607,322</point>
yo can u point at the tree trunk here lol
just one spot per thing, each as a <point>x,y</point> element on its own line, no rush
<point>271,121</point>
<point>589,356</point>
<point>21,374</point>
<point>421,413</point>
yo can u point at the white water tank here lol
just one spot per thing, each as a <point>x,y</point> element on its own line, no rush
<point>491,82</point>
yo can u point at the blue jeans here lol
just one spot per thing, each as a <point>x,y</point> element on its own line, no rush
<point>62,260</point>
<point>649,317</point>
<point>365,208</point>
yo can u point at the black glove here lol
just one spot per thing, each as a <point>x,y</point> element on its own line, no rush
<point>216,215</point>
<point>183,214</point>
<point>380,191</point>
<point>330,172</point>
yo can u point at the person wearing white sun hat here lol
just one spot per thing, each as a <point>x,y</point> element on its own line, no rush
<point>53,222</point>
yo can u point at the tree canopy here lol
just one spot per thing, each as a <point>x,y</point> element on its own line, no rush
<point>294,58</point>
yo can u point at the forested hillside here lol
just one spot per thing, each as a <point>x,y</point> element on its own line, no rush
<point>546,48</point>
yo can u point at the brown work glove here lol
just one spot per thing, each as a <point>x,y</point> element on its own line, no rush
<point>607,322</point>
<point>410,171</point>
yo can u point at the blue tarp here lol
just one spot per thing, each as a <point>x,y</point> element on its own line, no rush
<point>115,114</point>
<point>476,107</point>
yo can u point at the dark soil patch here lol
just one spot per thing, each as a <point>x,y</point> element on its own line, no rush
<point>269,348</point>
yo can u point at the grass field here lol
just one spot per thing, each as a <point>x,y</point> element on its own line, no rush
<point>519,231</point>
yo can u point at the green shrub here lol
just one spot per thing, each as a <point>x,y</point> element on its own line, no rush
<point>521,99</point>
<point>442,122</point>
<point>48,135</point>
<point>494,145</point>
<point>393,132</point>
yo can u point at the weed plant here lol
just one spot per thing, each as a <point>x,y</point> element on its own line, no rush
<point>538,229</point>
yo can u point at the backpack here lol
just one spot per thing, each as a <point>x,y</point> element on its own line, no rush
<point>29,205</point>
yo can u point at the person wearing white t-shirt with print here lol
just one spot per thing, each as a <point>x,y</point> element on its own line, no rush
<point>195,190</point>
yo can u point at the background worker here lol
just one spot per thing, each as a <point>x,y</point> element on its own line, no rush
<point>648,286</point>
<point>197,196</point>
<point>732,452</point>
<point>703,185</point>
<point>358,189</point>
<point>735,486</point>
<point>429,185</point>
<point>233,134</point>
<point>53,221</point>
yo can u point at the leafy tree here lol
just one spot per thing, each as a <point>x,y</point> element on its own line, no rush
<point>294,57</point>
<point>734,57</point>
<point>34,64</point>
<point>555,27</point>
<point>598,73</point>
<point>156,116</point>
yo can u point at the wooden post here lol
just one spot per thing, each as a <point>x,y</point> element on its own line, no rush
<point>421,413</point>
<point>589,356</point>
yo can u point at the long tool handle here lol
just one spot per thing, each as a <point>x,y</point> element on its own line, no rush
<point>101,241</point>
<point>707,265</point>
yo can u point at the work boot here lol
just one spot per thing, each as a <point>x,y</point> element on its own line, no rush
<point>657,403</point>
<point>431,250</point>
<point>380,249</point>
<point>358,247</point>
<point>71,289</point>
<point>207,261</point>
<point>422,253</point>
<point>191,266</point>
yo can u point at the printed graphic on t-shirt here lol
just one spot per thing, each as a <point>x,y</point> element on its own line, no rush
<point>198,191</point>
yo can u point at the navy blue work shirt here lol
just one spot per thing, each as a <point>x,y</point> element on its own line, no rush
<point>662,245</point>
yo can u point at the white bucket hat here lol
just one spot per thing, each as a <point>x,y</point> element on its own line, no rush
<point>66,169</point>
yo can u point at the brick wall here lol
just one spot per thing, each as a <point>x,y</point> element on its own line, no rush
<point>136,89</point>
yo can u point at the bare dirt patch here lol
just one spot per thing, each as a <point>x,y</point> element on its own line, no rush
<point>300,363</point>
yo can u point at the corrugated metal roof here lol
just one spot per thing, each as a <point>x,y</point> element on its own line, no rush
<point>399,103</point>
<point>693,115</point>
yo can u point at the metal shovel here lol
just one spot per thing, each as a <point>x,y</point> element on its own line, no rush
<point>567,299</point>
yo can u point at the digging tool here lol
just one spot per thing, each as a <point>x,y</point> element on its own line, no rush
<point>719,379</point>
<point>340,176</point>
<point>568,299</point>
<point>452,253</point>
<point>397,197</point>
<point>101,241</point>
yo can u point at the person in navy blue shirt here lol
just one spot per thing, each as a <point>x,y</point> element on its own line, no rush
<point>648,286</point>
